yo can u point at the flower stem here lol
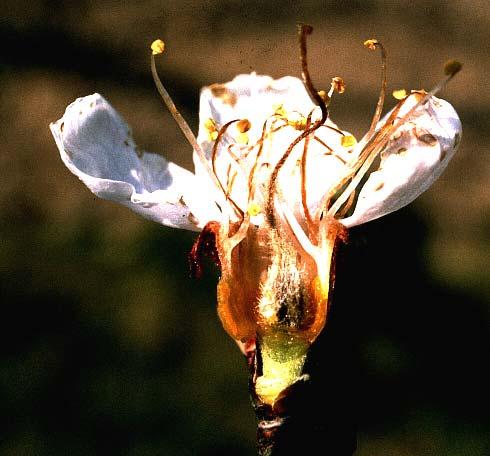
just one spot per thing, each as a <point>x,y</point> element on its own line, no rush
<point>305,418</point>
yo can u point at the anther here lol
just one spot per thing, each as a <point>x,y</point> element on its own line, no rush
<point>157,47</point>
<point>338,84</point>
<point>254,209</point>
<point>243,125</point>
<point>211,128</point>
<point>296,120</point>
<point>348,141</point>
<point>371,44</point>
<point>324,96</point>
<point>399,94</point>
<point>452,67</point>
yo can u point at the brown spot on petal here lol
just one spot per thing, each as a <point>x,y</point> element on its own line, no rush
<point>126,142</point>
<point>457,140</point>
<point>225,94</point>
<point>396,135</point>
<point>401,151</point>
<point>379,186</point>
<point>443,154</point>
<point>428,139</point>
<point>92,104</point>
<point>62,126</point>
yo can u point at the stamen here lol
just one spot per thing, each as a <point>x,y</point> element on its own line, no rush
<point>372,45</point>
<point>377,143</point>
<point>158,47</point>
<point>251,177</point>
<point>369,152</point>
<point>214,154</point>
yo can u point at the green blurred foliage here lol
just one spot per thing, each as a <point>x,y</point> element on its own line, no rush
<point>107,345</point>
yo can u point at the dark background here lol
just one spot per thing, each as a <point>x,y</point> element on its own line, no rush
<point>108,347</point>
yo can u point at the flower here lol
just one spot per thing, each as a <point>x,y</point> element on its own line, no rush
<point>276,185</point>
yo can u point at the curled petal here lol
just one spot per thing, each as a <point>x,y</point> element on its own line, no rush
<point>416,155</point>
<point>95,144</point>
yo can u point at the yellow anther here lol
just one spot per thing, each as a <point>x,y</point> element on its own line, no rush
<point>279,109</point>
<point>254,209</point>
<point>399,94</point>
<point>242,138</point>
<point>338,84</point>
<point>452,67</point>
<point>210,124</point>
<point>296,120</point>
<point>371,44</point>
<point>348,141</point>
<point>243,125</point>
<point>157,47</point>
<point>323,95</point>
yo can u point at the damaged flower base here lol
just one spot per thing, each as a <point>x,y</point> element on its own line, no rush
<point>276,186</point>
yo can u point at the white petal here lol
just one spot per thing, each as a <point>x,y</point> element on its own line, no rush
<point>414,158</point>
<point>96,145</point>
<point>252,97</point>
<point>257,99</point>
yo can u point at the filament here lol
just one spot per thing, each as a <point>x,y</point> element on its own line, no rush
<point>375,44</point>
<point>183,125</point>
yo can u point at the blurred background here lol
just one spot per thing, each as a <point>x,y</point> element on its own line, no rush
<point>108,347</point>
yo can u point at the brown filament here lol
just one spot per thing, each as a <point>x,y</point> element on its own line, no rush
<point>373,145</point>
<point>324,144</point>
<point>303,31</point>
<point>381,99</point>
<point>214,154</point>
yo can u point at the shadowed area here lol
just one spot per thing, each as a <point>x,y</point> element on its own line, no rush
<point>108,347</point>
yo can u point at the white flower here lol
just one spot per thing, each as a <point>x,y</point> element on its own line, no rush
<point>276,185</point>
<point>96,145</point>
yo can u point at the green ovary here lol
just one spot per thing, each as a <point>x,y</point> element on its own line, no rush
<point>283,357</point>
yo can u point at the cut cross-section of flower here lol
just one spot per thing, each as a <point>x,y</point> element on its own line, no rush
<point>276,186</point>
<point>96,145</point>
